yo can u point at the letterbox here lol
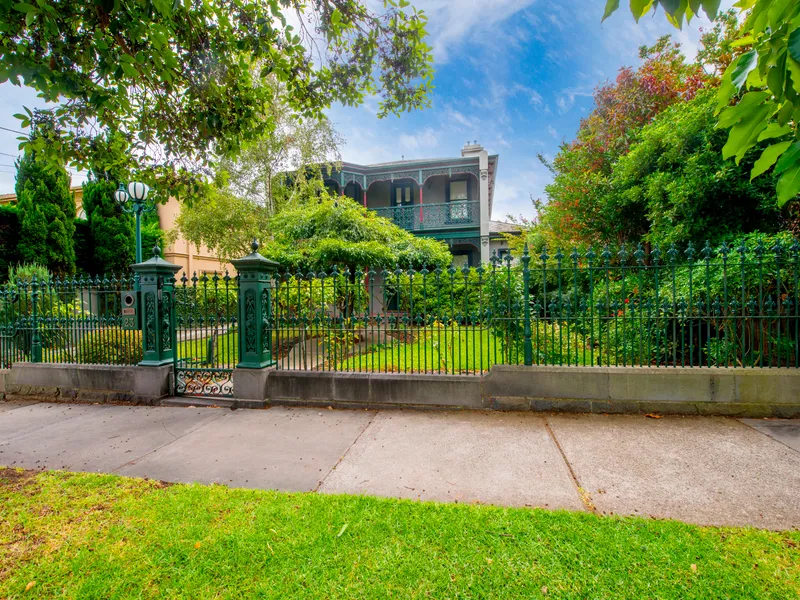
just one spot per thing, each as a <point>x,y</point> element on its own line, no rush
<point>130,310</point>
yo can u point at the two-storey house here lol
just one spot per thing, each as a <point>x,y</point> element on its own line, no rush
<point>448,199</point>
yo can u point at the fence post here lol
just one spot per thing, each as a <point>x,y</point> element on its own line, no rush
<point>255,309</point>
<point>526,279</point>
<point>157,284</point>
<point>36,339</point>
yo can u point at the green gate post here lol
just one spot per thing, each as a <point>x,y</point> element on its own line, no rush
<point>157,285</point>
<point>526,280</point>
<point>255,309</point>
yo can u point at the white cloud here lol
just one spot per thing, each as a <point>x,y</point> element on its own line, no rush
<point>452,24</point>
<point>459,117</point>
<point>567,98</point>
<point>424,141</point>
<point>552,131</point>
<point>518,185</point>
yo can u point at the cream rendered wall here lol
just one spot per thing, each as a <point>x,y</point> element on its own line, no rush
<point>192,259</point>
<point>435,189</point>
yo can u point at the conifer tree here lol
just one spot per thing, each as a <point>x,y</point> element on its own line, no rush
<point>111,228</point>
<point>47,214</point>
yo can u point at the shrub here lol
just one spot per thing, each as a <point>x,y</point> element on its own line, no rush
<point>110,346</point>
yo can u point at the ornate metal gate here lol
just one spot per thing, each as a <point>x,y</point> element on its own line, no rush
<point>206,335</point>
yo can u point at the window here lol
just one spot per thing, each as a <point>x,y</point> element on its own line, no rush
<point>402,195</point>
<point>459,260</point>
<point>458,194</point>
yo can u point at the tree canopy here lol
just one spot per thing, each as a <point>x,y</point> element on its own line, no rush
<point>46,211</point>
<point>296,145</point>
<point>577,198</point>
<point>185,80</point>
<point>339,231</point>
<point>759,98</point>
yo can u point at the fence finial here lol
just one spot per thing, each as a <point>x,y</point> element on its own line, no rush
<point>156,251</point>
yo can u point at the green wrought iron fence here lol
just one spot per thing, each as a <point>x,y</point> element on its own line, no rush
<point>206,334</point>
<point>76,320</point>
<point>719,307</point>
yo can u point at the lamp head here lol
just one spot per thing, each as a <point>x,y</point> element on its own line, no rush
<point>138,191</point>
<point>121,195</point>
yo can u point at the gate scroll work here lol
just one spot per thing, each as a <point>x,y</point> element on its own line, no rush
<point>206,335</point>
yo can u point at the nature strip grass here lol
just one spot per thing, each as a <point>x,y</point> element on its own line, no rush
<point>86,536</point>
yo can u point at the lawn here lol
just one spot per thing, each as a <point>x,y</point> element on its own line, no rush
<point>100,536</point>
<point>435,350</point>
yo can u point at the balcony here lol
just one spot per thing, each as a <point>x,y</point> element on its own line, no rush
<point>434,217</point>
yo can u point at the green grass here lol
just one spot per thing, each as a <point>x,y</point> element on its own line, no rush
<point>226,351</point>
<point>445,350</point>
<point>473,350</point>
<point>100,536</point>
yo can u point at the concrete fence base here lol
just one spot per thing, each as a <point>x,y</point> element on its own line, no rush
<point>90,383</point>
<point>684,391</point>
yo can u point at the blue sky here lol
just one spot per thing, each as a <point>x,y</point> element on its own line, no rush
<point>516,75</point>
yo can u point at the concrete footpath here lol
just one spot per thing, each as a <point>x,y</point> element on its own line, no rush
<point>707,470</point>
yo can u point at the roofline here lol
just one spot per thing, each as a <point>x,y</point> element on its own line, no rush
<point>411,164</point>
<point>13,196</point>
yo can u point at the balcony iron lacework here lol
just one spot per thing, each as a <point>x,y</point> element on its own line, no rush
<point>422,217</point>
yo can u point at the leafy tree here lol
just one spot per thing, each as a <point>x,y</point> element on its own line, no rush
<point>297,145</point>
<point>323,232</point>
<point>47,210</point>
<point>576,212</point>
<point>675,186</point>
<point>186,81</point>
<point>223,222</point>
<point>152,234</point>
<point>112,231</point>
<point>84,249</point>
<point>764,83</point>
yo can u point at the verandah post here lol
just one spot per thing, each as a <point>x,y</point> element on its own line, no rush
<point>526,278</point>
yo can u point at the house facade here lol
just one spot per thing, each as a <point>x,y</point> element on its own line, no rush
<point>448,199</point>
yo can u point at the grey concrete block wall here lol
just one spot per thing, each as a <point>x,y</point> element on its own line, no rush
<point>90,383</point>
<point>374,389</point>
<point>692,391</point>
<point>695,391</point>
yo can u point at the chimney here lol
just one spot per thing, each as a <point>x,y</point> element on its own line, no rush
<point>471,149</point>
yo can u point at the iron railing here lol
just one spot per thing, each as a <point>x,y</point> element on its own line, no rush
<point>650,307</point>
<point>421,217</point>
<point>720,307</point>
<point>76,320</point>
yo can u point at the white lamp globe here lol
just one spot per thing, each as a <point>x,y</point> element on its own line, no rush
<point>121,195</point>
<point>138,191</point>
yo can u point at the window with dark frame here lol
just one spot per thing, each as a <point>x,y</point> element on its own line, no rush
<point>458,200</point>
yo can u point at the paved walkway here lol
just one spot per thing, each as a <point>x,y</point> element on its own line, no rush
<point>701,470</point>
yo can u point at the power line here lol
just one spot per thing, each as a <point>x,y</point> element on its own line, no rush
<point>13,130</point>
<point>11,155</point>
